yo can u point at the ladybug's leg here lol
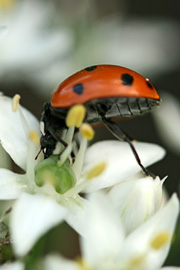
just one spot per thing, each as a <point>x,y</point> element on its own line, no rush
<point>120,135</point>
<point>127,135</point>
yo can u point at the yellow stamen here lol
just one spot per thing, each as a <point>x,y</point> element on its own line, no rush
<point>96,170</point>
<point>76,116</point>
<point>82,264</point>
<point>87,131</point>
<point>34,136</point>
<point>15,102</point>
<point>137,261</point>
<point>160,240</point>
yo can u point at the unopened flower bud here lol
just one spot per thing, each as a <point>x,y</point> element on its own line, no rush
<point>137,200</point>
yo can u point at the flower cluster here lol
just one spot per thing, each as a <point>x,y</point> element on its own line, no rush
<point>126,225</point>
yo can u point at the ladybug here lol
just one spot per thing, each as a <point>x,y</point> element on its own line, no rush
<point>107,92</point>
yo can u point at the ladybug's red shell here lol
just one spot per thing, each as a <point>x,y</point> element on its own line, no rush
<point>102,81</point>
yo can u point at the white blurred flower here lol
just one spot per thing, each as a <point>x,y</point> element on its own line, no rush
<point>28,45</point>
<point>47,50</point>
<point>13,266</point>
<point>106,247</point>
<point>167,120</point>
<point>106,163</point>
<point>140,44</point>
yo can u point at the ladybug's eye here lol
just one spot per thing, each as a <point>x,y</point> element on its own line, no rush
<point>127,79</point>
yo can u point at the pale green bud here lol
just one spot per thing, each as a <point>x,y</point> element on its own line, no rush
<point>61,176</point>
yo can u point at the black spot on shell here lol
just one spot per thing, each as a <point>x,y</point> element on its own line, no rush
<point>78,88</point>
<point>127,79</point>
<point>149,84</point>
<point>90,68</point>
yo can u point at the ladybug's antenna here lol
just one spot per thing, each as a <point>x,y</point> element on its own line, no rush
<point>38,154</point>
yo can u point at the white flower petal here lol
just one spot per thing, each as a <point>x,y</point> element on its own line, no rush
<point>139,246</point>
<point>12,135</point>
<point>12,266</point>
<point>11,185</point>
<point>76,214</point>
<point>55,262</point>
<point>32,216</point>
<point>145,194</point>
<point>103,231</point>
<point>120,161</point>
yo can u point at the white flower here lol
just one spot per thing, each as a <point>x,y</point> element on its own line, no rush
<point>41,207</point>
<point>106,163</point>
<point>106,247</point>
